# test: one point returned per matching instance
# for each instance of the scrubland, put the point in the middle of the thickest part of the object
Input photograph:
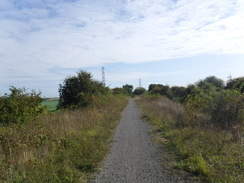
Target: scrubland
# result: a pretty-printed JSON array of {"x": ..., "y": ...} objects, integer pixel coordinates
[
  {"x": 65, "y": 146},
  {"x": 198, "y": 139}
]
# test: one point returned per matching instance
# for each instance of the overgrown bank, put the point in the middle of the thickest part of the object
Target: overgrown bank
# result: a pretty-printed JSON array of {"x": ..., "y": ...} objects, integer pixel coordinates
[
  {"x": 193, "y": 133},
  {"x": 61, "y": 147}
]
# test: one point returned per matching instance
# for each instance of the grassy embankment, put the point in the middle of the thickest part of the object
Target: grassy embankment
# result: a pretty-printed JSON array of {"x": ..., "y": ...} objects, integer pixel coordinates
[
  {"x": 215, "y": 155},
  {"x": 65, "y": 146}
]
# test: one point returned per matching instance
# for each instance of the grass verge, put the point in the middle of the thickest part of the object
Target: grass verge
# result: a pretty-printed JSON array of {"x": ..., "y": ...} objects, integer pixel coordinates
[
  {"x": 213, "y": 154},
  {"x": 59, "y": 147}
]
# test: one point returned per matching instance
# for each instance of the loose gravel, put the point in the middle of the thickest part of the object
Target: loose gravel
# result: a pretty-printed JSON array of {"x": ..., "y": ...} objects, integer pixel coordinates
[{"x": 133, "y": 156}]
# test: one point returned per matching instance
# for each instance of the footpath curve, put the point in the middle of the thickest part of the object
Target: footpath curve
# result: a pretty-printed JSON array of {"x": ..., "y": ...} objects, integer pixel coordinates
[{"x": 133, "y": 157}]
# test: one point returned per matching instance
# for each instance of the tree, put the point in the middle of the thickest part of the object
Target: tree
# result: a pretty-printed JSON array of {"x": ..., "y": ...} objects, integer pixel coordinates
[
  {"x": 210, "y": 83},
  {"x": 236, "y": 84},
  {"x": 77, "y": 91},
  {"x": 139, "y": 91},
  {"x": 128, "y": 88},
  {"x": 160, "y": 89},
  {"x": 178, "y": 92},
  {"x": 20, "y": 106},
  {"x": 119, "y": 91}
]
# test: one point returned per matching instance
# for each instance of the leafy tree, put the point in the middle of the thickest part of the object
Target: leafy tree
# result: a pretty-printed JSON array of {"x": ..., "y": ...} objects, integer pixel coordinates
[
  {"x": 178, "y": 92},
  {"x": 119, "y": 91},
  {"x": 211, "y": 82},
  {"x": 139, "y": 91},
  {"x": 19, "y": 106},
  {"x": 77, "y": 91},
  {"x": 160, "y": 89},
  {"x": 236, "y": 84},
  {"x": 128, "y": 88}
]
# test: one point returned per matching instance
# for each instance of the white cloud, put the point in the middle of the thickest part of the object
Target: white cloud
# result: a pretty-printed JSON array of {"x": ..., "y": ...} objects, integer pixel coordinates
[{"x": 38, "y": 35}]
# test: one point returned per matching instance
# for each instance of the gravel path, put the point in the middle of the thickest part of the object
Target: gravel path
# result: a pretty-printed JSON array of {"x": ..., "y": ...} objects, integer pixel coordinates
[{"x": 133, "y": 156}]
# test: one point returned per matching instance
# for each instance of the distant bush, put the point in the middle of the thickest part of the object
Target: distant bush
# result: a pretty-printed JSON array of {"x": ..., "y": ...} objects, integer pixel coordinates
[
  {"x": 128, "y": 88},
  {"x": 78, "y": 91},
  {"x": 209, "y": 82},
  {"x": 160, "y": 89},
  {"x": 19, "y": 106},
  {"x": 236, "y": 84},
  {"x": 119, "y": 91},
  {"x": 139, "y": 91}
]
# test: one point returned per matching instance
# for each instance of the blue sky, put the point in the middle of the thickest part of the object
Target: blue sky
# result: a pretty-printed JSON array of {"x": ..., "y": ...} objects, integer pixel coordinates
[{"x": 174, "y": 42}]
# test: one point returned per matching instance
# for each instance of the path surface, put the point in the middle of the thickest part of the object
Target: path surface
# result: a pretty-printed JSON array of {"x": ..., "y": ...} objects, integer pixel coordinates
[{"x": 133, "y": 157}]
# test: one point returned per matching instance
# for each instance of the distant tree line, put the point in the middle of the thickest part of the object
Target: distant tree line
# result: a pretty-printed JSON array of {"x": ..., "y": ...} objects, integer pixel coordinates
[
  {"x": 211, "y": 83},
  {"x": 210, "y": 94}
]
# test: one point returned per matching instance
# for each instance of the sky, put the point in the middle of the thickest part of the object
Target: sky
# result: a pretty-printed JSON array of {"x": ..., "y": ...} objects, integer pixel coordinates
[{"x": 173, "y": 42}]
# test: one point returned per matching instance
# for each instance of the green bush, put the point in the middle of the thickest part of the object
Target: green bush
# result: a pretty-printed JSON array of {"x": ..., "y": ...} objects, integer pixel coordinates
[
  {"x": 19, "y": 106},
  {"x": 227, "y": 110},
  {"x": 139, "y": 91},
  {"x": 77, "y": 91},
  {"x": 120, "y": 91}
]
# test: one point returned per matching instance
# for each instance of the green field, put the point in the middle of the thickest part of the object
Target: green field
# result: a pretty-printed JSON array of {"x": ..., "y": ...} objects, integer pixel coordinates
[{"x": 50, "y": 104}]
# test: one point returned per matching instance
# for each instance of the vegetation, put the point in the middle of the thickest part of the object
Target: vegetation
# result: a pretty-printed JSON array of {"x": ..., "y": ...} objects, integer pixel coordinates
[
  {"x": 119, "y": 91},
  {"x": 203, "y": 124},
  {"x": 65, "y": 146},
  {"x": 78, "y": 91},
  {"x": 128, "y": 88},
  {"x": 19, "y": 106},
  {"x": 139, "y": 91},
  {"x": 236, "y": 84},
  {"x": 50, "y": 104},
  {"x": 205, "y": 131}
]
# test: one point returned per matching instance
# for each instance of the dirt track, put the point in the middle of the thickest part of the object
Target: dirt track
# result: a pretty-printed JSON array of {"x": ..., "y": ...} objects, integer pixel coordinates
[{"x": 133, "y": 156}]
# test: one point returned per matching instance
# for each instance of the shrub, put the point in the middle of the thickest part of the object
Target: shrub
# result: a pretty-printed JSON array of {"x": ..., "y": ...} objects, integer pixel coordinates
[
  {"x": 19, "y": 106},
  {"x": 120, "y": 91},
  {"x": 227, "y": 110},
  {"x": 128, "y": 88},
  {"x": 77, "y": 91},
  {"x": 139, "y": 91}
]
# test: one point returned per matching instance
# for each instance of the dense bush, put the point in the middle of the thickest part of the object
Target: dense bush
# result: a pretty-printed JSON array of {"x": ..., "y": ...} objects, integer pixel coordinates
[
  {"x": 211, "y": 81},
  {"x": 78, "y": 91},
  {"x": 139, "y": 91},
  {"x": 119, "y": 91},
  {"x": 223, "y": 109},
  {"x": 19, "y": 106},
  {"x": 160, "y": 89},
  {"x": 236, "y": 84},
  {"x": 128, "y": 88}
]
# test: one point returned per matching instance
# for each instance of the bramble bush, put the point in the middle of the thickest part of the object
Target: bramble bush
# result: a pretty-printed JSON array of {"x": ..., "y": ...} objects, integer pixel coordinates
[{"x": 19, "y": 106}]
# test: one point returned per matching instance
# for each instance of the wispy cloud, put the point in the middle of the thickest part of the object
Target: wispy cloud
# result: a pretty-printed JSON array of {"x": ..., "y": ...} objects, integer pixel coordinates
[{"x": 36, "y": 35}]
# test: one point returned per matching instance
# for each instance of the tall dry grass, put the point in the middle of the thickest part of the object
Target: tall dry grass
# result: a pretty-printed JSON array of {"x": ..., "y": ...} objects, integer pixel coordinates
[
  {"x": 216, "y": 155},
  {"x": 65, "y": 146}
]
